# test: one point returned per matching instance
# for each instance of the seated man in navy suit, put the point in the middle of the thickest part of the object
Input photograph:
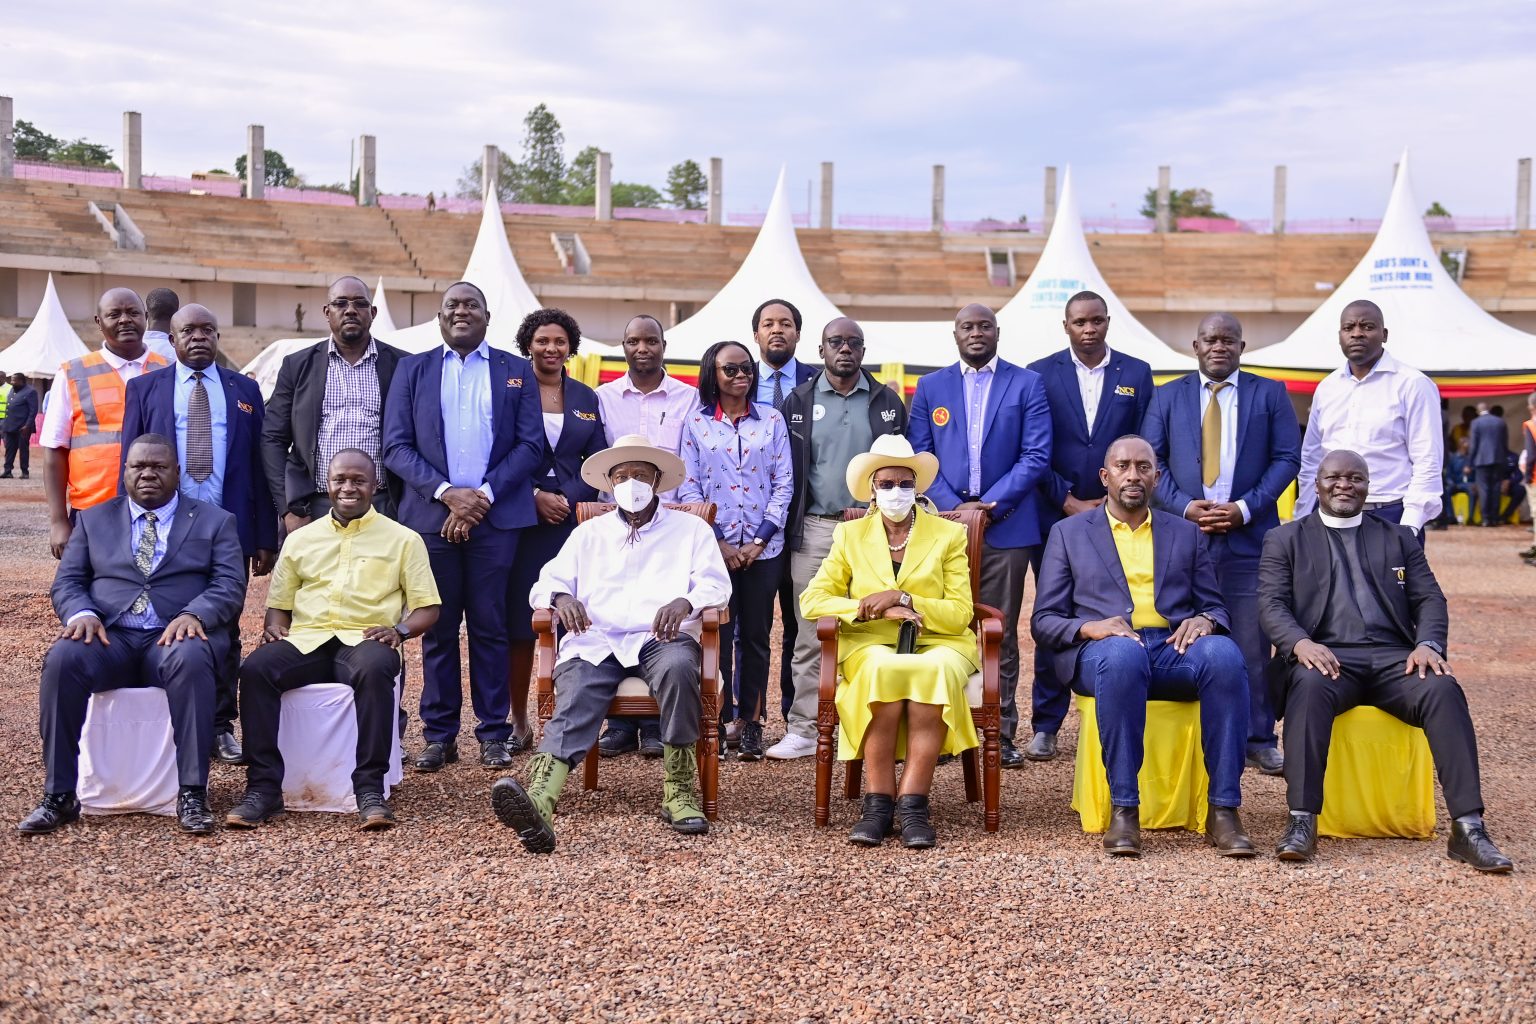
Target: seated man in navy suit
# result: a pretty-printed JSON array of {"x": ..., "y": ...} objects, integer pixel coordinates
[
  {"x": 988, "y": 422},
  {"x": 215, "y": 417},
  {"x": 1227, "y": 446},
  {"x": 1129, "y": 605},
  {"x": 147, "y": 587}
]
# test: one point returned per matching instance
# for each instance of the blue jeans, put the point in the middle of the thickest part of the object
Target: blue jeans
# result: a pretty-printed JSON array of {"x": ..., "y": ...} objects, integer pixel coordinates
[{"x": 1122, "y": 675}]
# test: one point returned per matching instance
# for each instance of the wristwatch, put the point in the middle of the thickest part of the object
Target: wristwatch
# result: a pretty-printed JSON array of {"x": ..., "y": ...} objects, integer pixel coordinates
[
  {"x": 403, "y": 630},
  {"x": 760, "y": 542},
  {"x": 905, "y": 600}
]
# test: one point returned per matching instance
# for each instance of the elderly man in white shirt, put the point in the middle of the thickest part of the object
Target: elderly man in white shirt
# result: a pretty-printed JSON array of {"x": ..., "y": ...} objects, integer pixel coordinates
[
  {"x": 628, "y": 589},
  {"x": 1386, "y": 411}
]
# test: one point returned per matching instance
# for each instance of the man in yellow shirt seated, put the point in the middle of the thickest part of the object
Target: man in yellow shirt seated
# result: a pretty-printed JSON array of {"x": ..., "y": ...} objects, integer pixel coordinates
[
  {"x": 1128, "y": 603},
  {"x": 334, "y": 615}
]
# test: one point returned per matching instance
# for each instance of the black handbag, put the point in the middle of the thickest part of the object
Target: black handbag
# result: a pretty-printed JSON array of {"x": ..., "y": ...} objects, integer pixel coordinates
[{"x": 906, "y": 641}]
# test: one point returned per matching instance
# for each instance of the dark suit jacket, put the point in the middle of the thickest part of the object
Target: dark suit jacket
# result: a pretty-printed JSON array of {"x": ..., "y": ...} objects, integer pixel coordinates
[
  {"x": 150, "y": 408},
  {"x": 581, "y": 436},
  {"x": 1077, "y": 453},
  {"x": 414, "y": 449},
  {"x": 291, "y": 435},
  {"x": 1081, "y": 580},
  {"x": 203, "y": 571},
  {"x": 1268, "y": 451},
  {"x": 1490, "y": 441},
  {"x": 1015, "y": 446}
]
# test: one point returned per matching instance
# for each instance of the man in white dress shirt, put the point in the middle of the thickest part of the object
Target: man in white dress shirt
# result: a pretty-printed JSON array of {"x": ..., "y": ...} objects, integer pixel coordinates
[
  {"x": 1386, "y": 411},
  {"x": 628, "y": 589}
]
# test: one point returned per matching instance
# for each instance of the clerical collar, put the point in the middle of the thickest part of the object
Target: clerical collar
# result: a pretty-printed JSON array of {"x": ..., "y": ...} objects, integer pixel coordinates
[{"x": 1340, "y": 522}]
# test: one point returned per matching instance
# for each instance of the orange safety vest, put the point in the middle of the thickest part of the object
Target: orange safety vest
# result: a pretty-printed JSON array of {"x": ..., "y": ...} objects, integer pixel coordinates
[{"x": 96, "y": 399}]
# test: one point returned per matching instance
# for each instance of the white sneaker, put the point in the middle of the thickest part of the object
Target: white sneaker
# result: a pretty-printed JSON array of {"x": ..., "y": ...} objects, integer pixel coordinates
[{"x": 791, "y": 747}]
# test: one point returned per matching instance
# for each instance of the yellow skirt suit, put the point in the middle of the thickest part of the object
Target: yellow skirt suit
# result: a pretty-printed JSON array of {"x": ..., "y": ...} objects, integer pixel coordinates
[{"x": 935, "y": 571}]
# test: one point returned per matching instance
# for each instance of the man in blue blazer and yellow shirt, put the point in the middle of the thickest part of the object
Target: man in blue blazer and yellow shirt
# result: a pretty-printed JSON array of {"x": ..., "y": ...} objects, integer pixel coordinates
[
  {"x": 988, "y": 422},
  {"x": 215, "y": 417},
  {"x": 1095, "y": 395},
  {"x": 1129, "y": 608},
  {"x": 1228, "y": 445},
  {"x": 463, "y": 430}
]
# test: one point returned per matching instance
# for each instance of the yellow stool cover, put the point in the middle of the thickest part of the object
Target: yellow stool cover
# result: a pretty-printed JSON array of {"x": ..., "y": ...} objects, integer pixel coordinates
[
  {"x": 1380, "y": 781},
  {"x": 1173, "y": 782}
]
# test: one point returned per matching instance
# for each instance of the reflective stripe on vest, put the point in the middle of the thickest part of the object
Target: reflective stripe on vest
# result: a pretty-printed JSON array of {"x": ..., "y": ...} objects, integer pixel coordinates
[{"x": 97, "y": 396}]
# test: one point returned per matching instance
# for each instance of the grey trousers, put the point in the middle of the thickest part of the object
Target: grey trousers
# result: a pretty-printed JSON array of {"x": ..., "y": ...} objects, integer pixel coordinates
[
  {"x": 815, "y": 545},
  {"x": 583, "y": 692},
  {"x": 1002, "y": 586}
]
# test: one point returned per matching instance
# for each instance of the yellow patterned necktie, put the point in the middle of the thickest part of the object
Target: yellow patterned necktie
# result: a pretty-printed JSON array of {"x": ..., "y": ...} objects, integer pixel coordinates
[{"x": 1210, "y": 435}]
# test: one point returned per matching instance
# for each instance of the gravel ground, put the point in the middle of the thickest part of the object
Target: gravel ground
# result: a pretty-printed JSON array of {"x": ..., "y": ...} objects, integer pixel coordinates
[{"x": 766, "y": 918}]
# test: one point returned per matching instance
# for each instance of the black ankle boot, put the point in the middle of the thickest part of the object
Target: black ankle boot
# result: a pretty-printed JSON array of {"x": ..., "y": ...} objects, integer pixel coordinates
[
  {"x": 912, "y": 819},
  {"x": 875, "y": 825}
]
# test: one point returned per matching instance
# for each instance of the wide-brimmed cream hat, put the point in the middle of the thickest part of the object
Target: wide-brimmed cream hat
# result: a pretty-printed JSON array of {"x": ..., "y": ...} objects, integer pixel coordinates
[
  {"x": 633, "y": 448},
  {"x": 890, "y": 450}
]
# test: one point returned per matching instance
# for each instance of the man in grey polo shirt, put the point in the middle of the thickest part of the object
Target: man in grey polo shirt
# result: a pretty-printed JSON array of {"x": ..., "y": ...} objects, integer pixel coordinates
[{"x": 832, "y": 417}]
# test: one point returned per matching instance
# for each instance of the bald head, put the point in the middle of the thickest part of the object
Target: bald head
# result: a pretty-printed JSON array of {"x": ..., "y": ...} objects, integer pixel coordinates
[
  {"x": 1343, "y": 482},
  {"x": 1362, "y": 335},
  {"x": 842, "y": 352},
  {"x": 1363, "y": 307},
  {"x": 976, "y": 334},
  {"x": 120, "y": 316},
  {"x": 1130, "y": 446},
  {"x": 195, "y": 333},
  {"x": 1219, "y": 345},
  {"x": 1128, "y": 476},
  {"x": 349, "y": 313}
]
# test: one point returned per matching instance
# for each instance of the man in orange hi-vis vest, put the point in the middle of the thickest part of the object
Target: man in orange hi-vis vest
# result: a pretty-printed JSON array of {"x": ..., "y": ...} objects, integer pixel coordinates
[{"x": 82, "y": 429}]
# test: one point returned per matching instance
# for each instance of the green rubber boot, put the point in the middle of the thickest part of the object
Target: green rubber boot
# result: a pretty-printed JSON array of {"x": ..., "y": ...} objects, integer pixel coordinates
[
  {"x": 680, "y": 806},
  {"x": 531, "y": 810}
]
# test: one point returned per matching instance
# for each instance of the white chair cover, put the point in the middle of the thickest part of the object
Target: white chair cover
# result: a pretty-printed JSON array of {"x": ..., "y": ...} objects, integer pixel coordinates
[
  {"x": 127, "y": 753},
  {"x": 317, "y": 734}
]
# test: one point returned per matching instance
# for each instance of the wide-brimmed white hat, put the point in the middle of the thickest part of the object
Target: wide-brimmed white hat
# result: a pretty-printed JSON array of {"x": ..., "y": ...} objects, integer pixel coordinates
[
  {"x": 890, "y": 450},
  {"x": 633, "y": 448}
]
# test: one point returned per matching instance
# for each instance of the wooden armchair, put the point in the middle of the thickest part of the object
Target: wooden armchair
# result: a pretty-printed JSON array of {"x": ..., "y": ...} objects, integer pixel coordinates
[
  {"x": 634, "y": 696},
  {"x": 983, "y": 781}
]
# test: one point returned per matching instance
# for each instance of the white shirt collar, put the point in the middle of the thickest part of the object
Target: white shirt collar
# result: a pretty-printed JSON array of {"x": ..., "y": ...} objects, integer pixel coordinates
[
  {"x": 117, "y": 362},
  {"x": 1386, "y": 364},
  {"x": 1340, "y": 522},
  {"x": 668, "y": 385},
  {"x": 1205, "y": 381},
  {"x": 990, "y": 364},
  {"x": 1084, "y": 366}
]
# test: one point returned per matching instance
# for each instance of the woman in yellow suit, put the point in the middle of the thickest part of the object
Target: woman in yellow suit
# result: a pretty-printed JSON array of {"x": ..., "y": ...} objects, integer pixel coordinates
[{"x": 900, "y": 565}]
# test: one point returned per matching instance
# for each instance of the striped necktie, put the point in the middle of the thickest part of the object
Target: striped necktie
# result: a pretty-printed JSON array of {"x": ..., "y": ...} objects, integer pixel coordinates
[{"x": 199, "y": 431}]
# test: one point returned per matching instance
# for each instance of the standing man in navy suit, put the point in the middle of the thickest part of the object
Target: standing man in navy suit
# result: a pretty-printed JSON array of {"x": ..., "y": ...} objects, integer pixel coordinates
[
  {"x": 1096, "y": 395},
  {"x": 464, "y": 431},
  {"x": 990, "y": 425},
  {"x": 1227, "y": 446},
  {"x": 215, "y": 417}
]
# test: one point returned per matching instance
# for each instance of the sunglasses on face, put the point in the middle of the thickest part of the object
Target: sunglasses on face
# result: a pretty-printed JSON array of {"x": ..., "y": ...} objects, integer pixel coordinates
[
  {"x": 834, "y": 343},
  {"x": 734, "y": 370},
  {"x": 891, "y": 485}
]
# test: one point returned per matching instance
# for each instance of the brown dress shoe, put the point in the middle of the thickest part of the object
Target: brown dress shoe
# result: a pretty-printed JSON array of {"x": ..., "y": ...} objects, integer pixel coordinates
[
  {"x": 1123, "y": 838},
  {"x": 1224, "y": 830}
]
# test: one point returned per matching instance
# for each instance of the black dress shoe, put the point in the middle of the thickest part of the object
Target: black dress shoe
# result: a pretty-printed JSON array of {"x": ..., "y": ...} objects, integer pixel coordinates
[
  {"x": 493, "y": 754},
  {"x": 56, "y": 811},
  {"x": 434, "y": 755},
  {"x": 650, "y": 740},
  {"x": 1041, "y": 747},
  {"x": 912, "y": 822},
  {"x": 1010, "y": 756},
  {"x": 1470, "y": 844},
  {"x": 1299, "y": 842},
  {"x": 192, "y": 811},
  {"x": 1123, "y": 837},
  {"x": 253, "y": 809},
  {"x": 373, "y": 814},
  {"x": 227, "y": 749},
  {"x": 1224, "y": 830},
  {"x": 615, "y": 742},
  {"x": 1268, "y": 760},
  {"x": 751, "y": 748},
  {"x": 875, "y": 823},
  {"x": 519, "y": 742}
]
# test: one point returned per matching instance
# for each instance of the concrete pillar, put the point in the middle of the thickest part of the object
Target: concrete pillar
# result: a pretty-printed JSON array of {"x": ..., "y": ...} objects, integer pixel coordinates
[
  {"x": 826, "y": 194},
  {"x": 133, "y": 149},
  {"x": 1277, "y": 218},
  {"x": 1050, "y": 197},
  {"x": 490, "y": 171},
  {"x": 1523, "y": 194},
  {"x": 7, "y": 138},
  {"x": 604, "y": 186},
  {"x": 716, "y": 190},
  {"x": 938, "y": 197},
  {"x": 367, "y": 170},
  {"x": 255, "y": 161},
  {"x": 1164, "y": 198}
]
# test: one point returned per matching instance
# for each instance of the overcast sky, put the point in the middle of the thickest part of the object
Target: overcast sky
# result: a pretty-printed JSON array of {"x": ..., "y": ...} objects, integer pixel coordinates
[{"x": 1221, "y": 91}]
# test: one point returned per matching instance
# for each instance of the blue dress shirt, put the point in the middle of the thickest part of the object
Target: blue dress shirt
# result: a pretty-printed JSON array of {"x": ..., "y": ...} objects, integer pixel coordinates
[
  {"x": 978, "y": 387},
  {"x": 165, "y": 516},
  {"x": 765, "y": 372},
  {"x": 210, "y": 490},
  {"x": 467, "y": 429}
]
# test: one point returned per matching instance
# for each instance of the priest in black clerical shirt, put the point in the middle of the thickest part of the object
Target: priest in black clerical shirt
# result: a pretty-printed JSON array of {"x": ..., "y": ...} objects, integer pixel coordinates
[{"x": 1356, "y": 617}]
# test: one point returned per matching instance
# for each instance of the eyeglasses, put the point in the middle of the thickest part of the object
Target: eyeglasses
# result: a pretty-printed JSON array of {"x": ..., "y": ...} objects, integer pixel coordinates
[
  {"x": 891, "y": 485},
  {"x": 851, "y": 343},
  {"x": 734, "y": 370},
  {"x": 341, "y": 304}
]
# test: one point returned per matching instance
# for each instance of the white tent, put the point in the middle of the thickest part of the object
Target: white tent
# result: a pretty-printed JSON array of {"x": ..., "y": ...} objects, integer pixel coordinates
[
  {"x": 774, "y": 268},
  {"x": 493, "y": 269},
  {"x": 1431, "y": 323},
  {"x": 383, "y": 322},
  {"x": 48, "y": 342},
  {"x": 1030, "y": 322}
]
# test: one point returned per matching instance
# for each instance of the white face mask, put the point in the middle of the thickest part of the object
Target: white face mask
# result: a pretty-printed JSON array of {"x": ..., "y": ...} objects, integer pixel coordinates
[
  {"x": 632, "y": 495},
  {"x": 896, "y": 503}
]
